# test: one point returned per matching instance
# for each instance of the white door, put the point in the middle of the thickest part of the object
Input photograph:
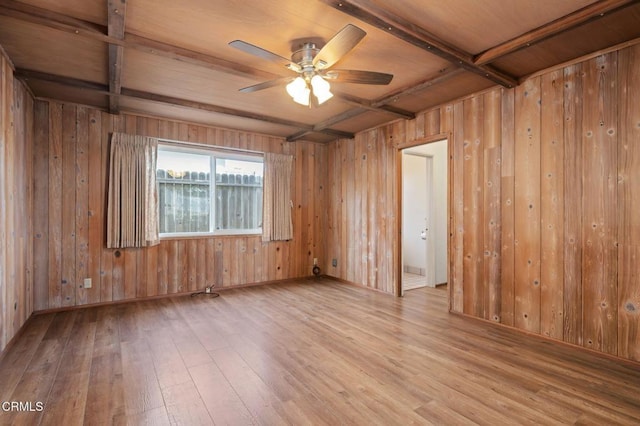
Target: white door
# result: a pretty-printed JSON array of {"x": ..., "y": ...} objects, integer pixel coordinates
[
  {"x": 417, "y": 216},
  {"x": 429, "y": 224}
]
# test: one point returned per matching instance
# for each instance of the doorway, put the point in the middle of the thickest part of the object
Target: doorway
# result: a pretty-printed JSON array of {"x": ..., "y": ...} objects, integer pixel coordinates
[{"x": 424, "y": 216}]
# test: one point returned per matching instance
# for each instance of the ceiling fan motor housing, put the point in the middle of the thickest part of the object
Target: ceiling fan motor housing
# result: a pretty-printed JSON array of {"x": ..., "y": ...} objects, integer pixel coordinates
[{"x": 304, "y": 56}]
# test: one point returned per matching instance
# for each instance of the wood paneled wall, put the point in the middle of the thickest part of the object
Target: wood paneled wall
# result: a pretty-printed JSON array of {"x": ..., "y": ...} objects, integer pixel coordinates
[
  {"x": 544, "y": 178},
  {"x": 70, "y": 162},
  {"x": 16, "y": 204},
  {"x": 363, "y": 219}
]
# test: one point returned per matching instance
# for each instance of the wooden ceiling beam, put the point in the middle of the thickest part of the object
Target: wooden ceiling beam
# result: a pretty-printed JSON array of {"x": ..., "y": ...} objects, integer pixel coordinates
[
  {"x": 25, "y": 74},
  {"x": 366, "y": 104},
  {"x": 443, "y": 75},
  {"x": 582, "y": 16},
  {"x": 116, "y": 16},
  {"x": 372, "y": 14},
  {"x": 103, "y": 89},
  {"x": 58, "y": 21},
  {"x": 324, "y": 125},
  {"x": 228, "y": 111}
]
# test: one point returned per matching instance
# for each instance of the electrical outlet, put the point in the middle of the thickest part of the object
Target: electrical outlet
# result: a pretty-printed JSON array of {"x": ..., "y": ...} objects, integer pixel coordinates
[
  {"x": 334, "y": 262},
  {"x": 315, "y": 261},
  {"x": 87, "y": 283}
]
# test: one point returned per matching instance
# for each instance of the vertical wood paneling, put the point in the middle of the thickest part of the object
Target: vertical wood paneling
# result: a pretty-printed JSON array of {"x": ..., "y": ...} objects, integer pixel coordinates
[
  {"x": 82, "y": 206},
  {"x": 473, "y": 214},
  {"x": 366, "y": 205},
  {"x": 296, "y": 213},
  {"x": 11, "y": 219},
  {"x": 41, "y": 203},
  {"x": 573, "y": 192},
  {"x": 106, "y": 262},
  {"x": 171, "y": 250},
  {"x": 334, "y": 237},
  {"x": 562, "y": 221},
  {"x": 68, "y": 197},
  {"x": 77, "y": 140},
  {"x": 182, "y": 265},
  {"x": 320, "y": 208},
  {"x": 507, "y": 208},
  {"x": 191, "y": 260},
  {"x": 432, "y": 122},
  {"x": 27, "y": 208},
  {"x": 210, "y": 265},
  {"x": 629, "y": 205},
  {"x": 349, "y": 198},
  {"x": 600, "y": 175},
  {"x": 456, "y": 293},
  {"x": 95, "y": 208},
  {"x": 373, "y": 171},
  {"x": 491, "y": 207},
  {"x": 552, "y": 206},
  {"x": 446, "y": 124},
  {"x": 17, "y": 224},
  {"x": 5, "y": 108},
  {"x": 391, "y": 249},
  {"x": 304, "y": 258},
  {"x": 527, "y": 206},
  {"x": 305, "y": 157},
  {"x": 54, "y": 282}
]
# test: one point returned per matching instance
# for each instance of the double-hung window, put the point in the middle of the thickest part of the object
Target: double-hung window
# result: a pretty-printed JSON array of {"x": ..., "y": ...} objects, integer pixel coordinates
[{"x": 208, "y": 192}]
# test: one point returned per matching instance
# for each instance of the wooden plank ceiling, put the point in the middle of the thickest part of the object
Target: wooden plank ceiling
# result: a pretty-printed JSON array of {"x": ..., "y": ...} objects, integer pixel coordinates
[{"x": 172, "y": 59}]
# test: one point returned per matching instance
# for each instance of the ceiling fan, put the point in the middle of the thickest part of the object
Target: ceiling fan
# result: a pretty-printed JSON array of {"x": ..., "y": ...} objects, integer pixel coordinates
[{"x": 312, "y": 64}]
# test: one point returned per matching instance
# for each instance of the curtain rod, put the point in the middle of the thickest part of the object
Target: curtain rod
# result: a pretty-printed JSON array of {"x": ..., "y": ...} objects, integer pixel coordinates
[{"x": 217, "y": 147}]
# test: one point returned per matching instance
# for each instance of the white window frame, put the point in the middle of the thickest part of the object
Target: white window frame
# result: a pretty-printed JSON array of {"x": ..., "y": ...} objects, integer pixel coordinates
[{"x": 167, "y": 146}]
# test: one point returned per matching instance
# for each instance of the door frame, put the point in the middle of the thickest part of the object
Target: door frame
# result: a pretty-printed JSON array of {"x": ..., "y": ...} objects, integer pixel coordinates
[{"x": 448, "y": 136}]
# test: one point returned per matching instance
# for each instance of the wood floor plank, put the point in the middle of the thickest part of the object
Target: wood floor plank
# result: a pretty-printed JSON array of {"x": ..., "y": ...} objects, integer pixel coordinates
[
  {"x": 155, "y": 417},
  {"x": 141, "y": 387},
  {"x": 253, "y": 392},
  {"x": 14, "y": 364},
  {"x": 222, "y": 402},
  {"x": 185, "y": 406},
  {"x": 66, "y": 404},
  {"x": 310, "y": 352}
]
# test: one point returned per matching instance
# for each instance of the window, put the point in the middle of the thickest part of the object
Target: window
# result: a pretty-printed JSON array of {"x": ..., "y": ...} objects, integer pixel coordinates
[{"x": 194, "y": 201}]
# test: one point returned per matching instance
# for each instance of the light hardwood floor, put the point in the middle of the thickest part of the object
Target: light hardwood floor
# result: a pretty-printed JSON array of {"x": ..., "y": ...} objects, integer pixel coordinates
[{"x": 313, "y": 352}]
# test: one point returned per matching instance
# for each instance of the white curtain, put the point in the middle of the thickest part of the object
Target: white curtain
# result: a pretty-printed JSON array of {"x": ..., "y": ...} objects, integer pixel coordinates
[
  {"x": 132, "y": 212},
  {"x": 276, "y": 211}
]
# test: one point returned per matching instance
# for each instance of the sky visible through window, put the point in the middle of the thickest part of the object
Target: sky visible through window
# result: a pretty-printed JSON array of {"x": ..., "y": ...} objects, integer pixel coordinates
[{"x": 184, "y": 161}]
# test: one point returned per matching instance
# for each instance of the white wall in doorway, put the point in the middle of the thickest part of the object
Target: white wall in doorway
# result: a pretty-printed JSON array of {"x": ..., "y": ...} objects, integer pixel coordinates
[
  {"x": 438, "y": 150},
  {"x": 414, "y": 213}
]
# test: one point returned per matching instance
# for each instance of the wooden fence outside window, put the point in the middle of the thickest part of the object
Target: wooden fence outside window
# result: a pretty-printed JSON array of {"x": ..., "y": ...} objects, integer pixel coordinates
[{"x": 185, "y": 201}]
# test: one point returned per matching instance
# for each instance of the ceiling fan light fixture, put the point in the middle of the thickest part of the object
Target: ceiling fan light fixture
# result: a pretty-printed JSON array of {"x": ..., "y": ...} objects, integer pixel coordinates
[
  {"x": 299, "y": 91},
  {"x": 321, "y": 89}
]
